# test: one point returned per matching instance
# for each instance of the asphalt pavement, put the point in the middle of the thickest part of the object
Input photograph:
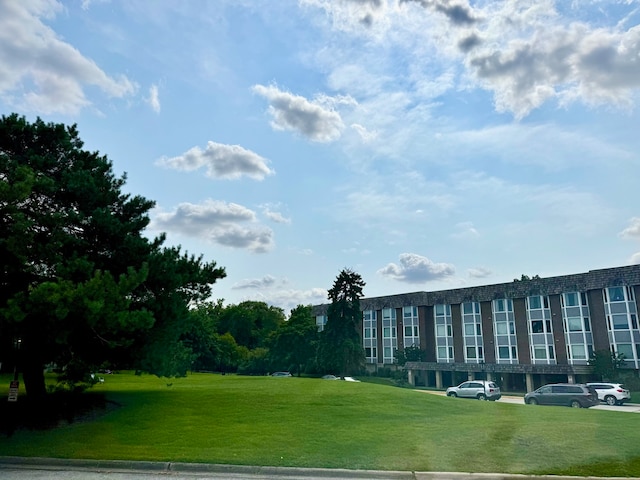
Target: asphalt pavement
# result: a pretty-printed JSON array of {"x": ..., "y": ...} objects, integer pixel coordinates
[{"x": 627, "y": 407}]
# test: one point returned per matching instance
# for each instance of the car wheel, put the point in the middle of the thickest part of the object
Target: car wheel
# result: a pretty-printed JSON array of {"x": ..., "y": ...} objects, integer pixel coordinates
[
  {"x": 610, "y": 399},
  {"x": 452, "y": 394},
  {"x": 482, "y": 396},
  {"x": 532, "y": 401},
  {"x": 575, "y": 404}
]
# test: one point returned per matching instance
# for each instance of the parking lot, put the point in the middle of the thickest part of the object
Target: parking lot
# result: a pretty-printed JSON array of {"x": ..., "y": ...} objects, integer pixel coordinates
[{"x": 628, "y": 407}]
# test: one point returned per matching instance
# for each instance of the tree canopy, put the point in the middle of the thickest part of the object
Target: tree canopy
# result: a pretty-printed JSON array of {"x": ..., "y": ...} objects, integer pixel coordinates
[
  {"x": 79, "y": 282},
  {"x": 340, "y": 345}
]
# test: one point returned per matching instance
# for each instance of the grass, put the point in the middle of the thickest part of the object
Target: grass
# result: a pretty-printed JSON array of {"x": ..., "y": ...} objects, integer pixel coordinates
[{"x": 308, "y": 422}]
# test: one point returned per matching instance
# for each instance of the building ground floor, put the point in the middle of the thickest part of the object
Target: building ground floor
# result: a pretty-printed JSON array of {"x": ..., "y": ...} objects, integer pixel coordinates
[{"x": 511, "y": 378}]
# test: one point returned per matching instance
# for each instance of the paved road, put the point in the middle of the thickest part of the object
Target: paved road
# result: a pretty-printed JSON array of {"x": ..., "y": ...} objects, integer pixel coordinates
[
  {"x": 15, "y": 468},
  {"x": 628, "y": 407}
]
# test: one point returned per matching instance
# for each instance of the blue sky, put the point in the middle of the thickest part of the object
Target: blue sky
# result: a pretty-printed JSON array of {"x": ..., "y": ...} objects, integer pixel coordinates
[{"x": 425, "y": 144}]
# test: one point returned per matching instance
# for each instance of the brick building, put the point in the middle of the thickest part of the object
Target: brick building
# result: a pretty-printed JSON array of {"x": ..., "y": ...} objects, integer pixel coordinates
[{"x": 522, "y": 334}]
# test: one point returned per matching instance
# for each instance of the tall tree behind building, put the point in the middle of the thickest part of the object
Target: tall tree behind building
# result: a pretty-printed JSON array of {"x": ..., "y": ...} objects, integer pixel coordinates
[{"x": 340, "y": 345}]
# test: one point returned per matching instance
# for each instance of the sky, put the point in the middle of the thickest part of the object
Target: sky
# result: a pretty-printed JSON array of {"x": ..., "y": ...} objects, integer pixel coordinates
[{"x": 424, "y": 144}]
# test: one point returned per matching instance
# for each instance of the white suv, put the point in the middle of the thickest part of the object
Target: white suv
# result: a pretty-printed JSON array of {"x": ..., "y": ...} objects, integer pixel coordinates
[{"x": 611, "y": 393}]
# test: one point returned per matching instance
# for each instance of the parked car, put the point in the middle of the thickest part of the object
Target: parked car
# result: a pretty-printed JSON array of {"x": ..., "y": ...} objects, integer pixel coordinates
[
  {"x": 480, "y": 389},
  {"x": 611, "y": 393},
  {"x": 574, "y": 395},
  {"x": 281, "y": 374},
  {"x": 330, "y": 377}
]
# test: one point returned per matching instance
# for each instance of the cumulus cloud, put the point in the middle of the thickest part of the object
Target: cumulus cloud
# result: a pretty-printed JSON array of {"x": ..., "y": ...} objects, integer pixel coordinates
[
  {"x": 415, "y": 268},
  {"x": 221, "y": 161},
  {"x": 364, "y": 12},
  {"x": 276, "y": 216},
  {"x": 219, "y": 222},
  {"x": 154, "y": 99},
  {"x": 635, "y": 258},
  {"x": 312, "y": 119},
  {"x": 39, "y": 72},
  {"x": 255, "y": 283},
  {"x": 534, "y": 55},
  {"x": 479, "y": 272},
  {"x": 633, "y": 230},
  {"x": 458, "y": 13}
]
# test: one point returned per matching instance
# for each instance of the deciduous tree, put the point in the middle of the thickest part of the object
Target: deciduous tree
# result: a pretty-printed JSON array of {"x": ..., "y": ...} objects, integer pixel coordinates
[{"x": 295, "y": 342}]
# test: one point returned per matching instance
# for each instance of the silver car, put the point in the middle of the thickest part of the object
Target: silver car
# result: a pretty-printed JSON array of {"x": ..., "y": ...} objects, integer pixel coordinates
[{"x": 480, "y": 389}]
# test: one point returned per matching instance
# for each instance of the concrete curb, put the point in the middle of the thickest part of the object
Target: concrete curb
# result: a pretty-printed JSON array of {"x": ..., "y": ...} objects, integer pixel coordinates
[{"x": 42, "y": 463}]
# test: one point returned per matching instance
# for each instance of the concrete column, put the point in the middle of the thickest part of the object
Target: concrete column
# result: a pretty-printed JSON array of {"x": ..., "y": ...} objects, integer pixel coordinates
[
  {"x": 470, "y": 376},
  {"x": 529, "y": 380},
  {"x": 438, "y": 379},
  {"x": 489, "y": 376},
  {"x": 410, "y": 378},
  {"x": 571, "y": 378}
]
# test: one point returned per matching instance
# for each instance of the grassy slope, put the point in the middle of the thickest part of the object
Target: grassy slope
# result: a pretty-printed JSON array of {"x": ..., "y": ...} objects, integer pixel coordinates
[{"x": 315, "y": 423}]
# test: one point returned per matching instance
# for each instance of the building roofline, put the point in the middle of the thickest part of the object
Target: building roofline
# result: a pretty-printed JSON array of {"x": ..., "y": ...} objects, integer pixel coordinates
[{"x": 578, "y": 282}]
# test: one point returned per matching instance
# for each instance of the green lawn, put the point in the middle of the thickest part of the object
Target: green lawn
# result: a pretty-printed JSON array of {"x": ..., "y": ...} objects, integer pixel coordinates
[{"x": 308, "y": 422}]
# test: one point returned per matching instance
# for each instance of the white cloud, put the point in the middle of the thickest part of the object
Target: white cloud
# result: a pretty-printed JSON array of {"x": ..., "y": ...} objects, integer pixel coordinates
[
  {"x": 528, "y": 55},
  {"x": 635, "y": 258},
  {"x": 276, "y": 216},
  {"x": 219, "y": 222},
  {"x": 415, "y": 268},
  {"x": 288, "y": 299},
  {"x": 221, "y": 161},
  {"x": 633, "y": 230},
  {"x": 39, "y": 72},
  {"x": 154, "y": 98},
  {"x": 255, "y": 283},
  {"x": 295, "y": 113},
  {"x": 479, "y": 272},
  {"x": 465, "y": 230},
  {"x": 523, "y": 51}
]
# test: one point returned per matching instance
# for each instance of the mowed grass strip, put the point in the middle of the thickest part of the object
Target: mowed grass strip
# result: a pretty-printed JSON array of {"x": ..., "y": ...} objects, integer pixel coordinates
[{"x": 308, "y": 422}]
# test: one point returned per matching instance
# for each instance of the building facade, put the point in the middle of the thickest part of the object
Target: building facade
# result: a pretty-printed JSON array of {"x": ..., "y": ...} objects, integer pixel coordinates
[{"x": 522, "y": 334}]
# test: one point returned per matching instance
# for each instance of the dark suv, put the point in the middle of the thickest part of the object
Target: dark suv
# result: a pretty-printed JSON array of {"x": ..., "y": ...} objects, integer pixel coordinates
[{"x": 567, "y": 394}]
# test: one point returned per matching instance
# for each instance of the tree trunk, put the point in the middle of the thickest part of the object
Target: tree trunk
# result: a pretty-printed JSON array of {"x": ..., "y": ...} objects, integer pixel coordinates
[{"x": 33, "y": 376}]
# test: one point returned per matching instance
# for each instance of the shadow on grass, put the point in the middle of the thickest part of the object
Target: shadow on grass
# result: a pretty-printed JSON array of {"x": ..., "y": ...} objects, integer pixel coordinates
[{"x": 56, "y": 409}]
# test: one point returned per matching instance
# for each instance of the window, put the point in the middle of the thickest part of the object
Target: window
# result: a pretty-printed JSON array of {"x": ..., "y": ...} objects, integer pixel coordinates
[
  {"x": 444, "y": 332},
  {"x": 504, "y": 328},
  {"x": 577, "y": 352},
  {"x": 537, "y": 326},
  {"x": 389, "y": 335},
  {"x": 570, "y": 299},
  {"x": 370, "y": 340},
  {"x": 540, "y": 353},
  {"x": 625, "y": 349},
  {"x": 575, "y": 324},
  {"x": 321, "y": 321},
  {"x": 622, "y": 321},
  {"x": 472, "y": 329},
  {"x": 616, "y": 294},
  {"x": 411, "y": 330}
]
